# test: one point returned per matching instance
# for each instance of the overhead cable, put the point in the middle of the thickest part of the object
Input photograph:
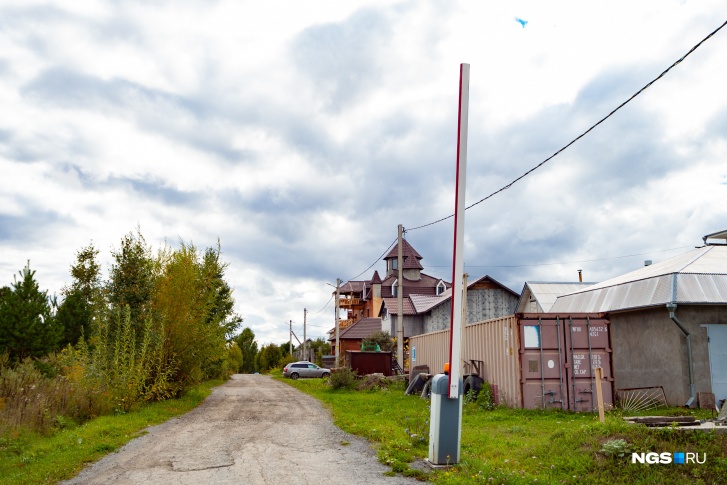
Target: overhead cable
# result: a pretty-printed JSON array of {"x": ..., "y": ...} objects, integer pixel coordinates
[
  {"x": 566, "y": 262},
  {"x": 582, "y": 134},
  {"x": 326, "y": 305},
  {"x": 377, "y": 260}
]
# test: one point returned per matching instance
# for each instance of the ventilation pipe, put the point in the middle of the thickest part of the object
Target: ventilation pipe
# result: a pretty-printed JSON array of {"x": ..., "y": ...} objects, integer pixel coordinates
[
  {"x": 672, "y": 307},
  {"x": 580, "y": 276}
]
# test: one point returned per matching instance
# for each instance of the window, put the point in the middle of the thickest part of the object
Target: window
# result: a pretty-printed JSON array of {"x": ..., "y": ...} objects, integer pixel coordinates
[
  {"x": 394, "y": 263},
  {"x": 532, "y": 336},
  {"x": 394, "y": 287},
  {"x": 441, "y": 287}
]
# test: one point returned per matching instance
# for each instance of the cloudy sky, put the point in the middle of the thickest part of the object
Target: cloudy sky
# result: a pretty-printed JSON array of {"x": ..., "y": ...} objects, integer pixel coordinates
[{"x": 302, "y": 133}]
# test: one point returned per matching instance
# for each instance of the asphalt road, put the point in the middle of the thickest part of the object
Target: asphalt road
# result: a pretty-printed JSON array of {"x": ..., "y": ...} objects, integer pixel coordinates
[{"x": 251, "y": 430}]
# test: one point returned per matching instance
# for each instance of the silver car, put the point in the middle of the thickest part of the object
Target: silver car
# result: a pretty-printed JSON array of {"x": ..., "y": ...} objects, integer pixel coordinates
[{"x": 305, "y": 369}]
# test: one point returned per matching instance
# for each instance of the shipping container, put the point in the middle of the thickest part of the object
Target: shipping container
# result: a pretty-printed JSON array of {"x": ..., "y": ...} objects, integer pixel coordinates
[
  {"x": 537, "y": 361},
  {"x": 557, "y": 358}
]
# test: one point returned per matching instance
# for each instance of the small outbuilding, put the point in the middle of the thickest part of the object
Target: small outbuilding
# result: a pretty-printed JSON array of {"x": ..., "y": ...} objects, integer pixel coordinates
[{"x": 668, "y": 323}]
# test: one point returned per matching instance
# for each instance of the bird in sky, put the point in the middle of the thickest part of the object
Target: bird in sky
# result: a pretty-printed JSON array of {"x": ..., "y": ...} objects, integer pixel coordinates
[{"x": 521, "y": 21}]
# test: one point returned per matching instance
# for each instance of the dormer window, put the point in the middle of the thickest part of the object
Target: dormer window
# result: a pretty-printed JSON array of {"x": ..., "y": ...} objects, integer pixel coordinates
[{"x": 441, "y": 287}]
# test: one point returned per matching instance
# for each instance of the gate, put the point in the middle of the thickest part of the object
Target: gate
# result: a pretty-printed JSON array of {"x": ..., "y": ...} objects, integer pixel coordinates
[{"x": 557, "y": 358}]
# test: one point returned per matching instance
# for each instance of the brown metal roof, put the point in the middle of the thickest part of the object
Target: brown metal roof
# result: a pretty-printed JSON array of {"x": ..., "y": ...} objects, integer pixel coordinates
[
  {"x": 409, "y": 254},
  {"x": 361, "y": 329},
  {"x": 425, "y": 285},
  {"x": 392, "y": 306},
  {"x": 424, "y": 302},
  {"x": 352, "y": 286},
  {"x": 376, "y": 278},
  {"x": 406, "y": 250}
]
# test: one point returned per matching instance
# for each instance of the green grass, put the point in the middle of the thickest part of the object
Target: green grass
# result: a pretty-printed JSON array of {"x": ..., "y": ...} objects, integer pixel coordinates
[
  {"x": 514, "y": 446},
  {"x": 30, "y": 458}
]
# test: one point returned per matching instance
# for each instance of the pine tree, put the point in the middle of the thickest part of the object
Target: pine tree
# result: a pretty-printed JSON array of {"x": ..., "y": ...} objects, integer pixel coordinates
[
  {"x": 132, "y": 278},
  {"x": 74, "y": 318},
  {"x": 27, "y": 327},
  {"x": 83, "y": 298}
]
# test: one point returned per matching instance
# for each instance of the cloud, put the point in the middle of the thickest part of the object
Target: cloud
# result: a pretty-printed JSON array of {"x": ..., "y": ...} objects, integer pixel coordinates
[
  {"x": 182, "y": 119},
  {"x": 32, "y": 225},
  {"x": 340, "y": 59},
  {"x": 302, "y": 140}
]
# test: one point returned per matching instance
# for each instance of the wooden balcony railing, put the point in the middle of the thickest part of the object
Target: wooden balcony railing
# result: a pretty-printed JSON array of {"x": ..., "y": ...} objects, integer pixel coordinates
[
  {"x": 345, "y": 323},
  {"x": 349, "y": 302}
]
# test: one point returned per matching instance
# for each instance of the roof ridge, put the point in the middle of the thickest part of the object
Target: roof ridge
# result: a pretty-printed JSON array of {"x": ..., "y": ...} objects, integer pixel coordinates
[{"x": 695, "y": 258}]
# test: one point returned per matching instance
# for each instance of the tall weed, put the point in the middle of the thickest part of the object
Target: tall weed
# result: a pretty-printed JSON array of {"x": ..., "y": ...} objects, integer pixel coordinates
[{"x": 29, "y": 399}]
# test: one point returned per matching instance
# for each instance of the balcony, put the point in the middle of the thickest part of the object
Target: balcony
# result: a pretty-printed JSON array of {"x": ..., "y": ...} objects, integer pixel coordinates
[
  {"x": 345, "y": 323},
  {"x": 349, "y": 302}
]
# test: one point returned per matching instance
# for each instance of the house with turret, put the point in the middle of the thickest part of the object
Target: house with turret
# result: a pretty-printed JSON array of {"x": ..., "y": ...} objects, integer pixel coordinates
[
  {"x": 364, "y": 299},
  {"x": 426, "y": 300}
]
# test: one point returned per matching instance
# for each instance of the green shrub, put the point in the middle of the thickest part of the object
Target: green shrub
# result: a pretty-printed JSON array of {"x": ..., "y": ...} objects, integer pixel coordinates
[
  {"x": 485, "y": 399},
  {"x": 617, "y": 448},
  {"x": 288, "y": 359},
  {"x": 343, "y": 377}
]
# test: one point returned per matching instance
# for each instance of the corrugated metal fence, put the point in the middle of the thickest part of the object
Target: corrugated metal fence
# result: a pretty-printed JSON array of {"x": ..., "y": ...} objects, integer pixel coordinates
[{"x": 495, "y": 342}]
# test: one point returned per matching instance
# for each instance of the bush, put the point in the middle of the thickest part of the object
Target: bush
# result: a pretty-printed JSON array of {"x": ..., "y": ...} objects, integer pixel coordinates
[
  {"x": 484, "y": 399},
  {"x": 31, "y": 400},
  {"x": 382, "y": 339},
  {"x": 343, "y": 377},
  {"x": 288, "y": 359}
]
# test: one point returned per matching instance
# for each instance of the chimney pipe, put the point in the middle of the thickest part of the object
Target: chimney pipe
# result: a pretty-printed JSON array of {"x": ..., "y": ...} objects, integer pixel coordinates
[{"x": 580, "y": 275}]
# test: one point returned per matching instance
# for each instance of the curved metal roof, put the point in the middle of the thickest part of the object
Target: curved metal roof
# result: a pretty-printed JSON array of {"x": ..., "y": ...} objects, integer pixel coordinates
[{"x": 697, "y": 277}]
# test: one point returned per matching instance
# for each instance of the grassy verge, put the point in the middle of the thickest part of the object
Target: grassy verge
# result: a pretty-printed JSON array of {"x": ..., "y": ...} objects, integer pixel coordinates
[
  {"x": 522, "y": 446},
  {"x": 29, "y": 458}
]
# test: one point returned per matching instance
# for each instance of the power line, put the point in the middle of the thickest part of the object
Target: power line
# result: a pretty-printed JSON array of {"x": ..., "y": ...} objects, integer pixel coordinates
[
  {"x": 567, "y": 262},
  {"x": 377, "y": 260},
  {"x": 326, "y": 305},
  {"x": 582, "y": 134}
]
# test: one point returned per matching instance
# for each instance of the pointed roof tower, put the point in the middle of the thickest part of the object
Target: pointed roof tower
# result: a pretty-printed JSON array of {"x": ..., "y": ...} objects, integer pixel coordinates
[
  {"x": 376, "y": 280},
  {"x": 411, "y": 260}
]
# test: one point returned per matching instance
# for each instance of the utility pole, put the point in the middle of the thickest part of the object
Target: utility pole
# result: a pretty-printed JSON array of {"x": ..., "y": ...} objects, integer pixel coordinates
[
  {"x": 305, "y": 342},
  {"x": 338, "y": 321},
  {"x": 400, "y": 302},
  {"x": 291, "y": 337}
]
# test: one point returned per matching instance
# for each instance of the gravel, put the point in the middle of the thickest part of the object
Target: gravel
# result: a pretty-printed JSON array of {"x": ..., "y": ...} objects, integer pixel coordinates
[{"x": 251, "y": 430}]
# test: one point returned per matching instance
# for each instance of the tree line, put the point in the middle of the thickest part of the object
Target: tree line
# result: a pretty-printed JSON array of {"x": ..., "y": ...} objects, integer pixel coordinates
[
  {"x": 161, "y": 322},
  {"x": 272, "y": 355}
]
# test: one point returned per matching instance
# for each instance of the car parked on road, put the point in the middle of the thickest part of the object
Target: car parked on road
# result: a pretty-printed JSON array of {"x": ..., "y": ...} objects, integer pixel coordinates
[{"x": 305, "y": 369}]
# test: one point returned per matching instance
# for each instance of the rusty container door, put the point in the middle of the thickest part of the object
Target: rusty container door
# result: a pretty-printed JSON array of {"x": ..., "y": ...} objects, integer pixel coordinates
[
  {"x": 588, "y": 344},
  {"x": 542, "y": 356}
]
